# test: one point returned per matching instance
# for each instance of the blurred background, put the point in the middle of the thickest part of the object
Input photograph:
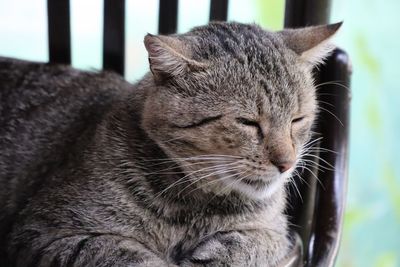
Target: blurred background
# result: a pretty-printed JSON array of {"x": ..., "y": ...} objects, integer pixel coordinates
[{"x": 370, "y": 34}]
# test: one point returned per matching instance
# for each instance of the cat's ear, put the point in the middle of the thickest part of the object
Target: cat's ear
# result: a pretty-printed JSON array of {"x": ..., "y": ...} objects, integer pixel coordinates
[
  {"x": 311, "y": 43},
  {"x": 169, "y": 56}
]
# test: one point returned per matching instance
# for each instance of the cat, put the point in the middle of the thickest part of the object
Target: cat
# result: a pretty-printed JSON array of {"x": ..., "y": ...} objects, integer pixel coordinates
[{"x": 187, "y": 167}]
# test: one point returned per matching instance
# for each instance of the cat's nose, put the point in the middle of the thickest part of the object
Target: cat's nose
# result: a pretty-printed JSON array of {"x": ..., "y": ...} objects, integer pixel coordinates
[{"x": 283, "y": 165}]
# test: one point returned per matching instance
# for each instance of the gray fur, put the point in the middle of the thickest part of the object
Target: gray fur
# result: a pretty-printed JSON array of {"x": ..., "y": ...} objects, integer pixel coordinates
[{"x": 95, "y": 171}]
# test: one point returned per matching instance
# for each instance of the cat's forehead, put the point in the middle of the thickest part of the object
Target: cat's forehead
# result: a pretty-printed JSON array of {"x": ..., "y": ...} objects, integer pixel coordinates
[
  {"x": 247, "y": 51},
  {"x": 242, "y": 42},
  {"x": 251, "y": 64}
]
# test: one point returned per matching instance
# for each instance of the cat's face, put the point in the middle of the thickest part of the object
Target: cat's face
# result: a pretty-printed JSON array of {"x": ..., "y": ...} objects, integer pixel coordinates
[{"x": 238, "y": 114}]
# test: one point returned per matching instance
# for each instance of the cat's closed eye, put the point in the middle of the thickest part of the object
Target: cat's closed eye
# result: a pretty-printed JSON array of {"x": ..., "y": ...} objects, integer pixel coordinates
[
  {"x": 248, "y": 122},
  {"x": 298, "y": 119},
  {"x": 199, "y": 123},
  {"x": 251, "y": 123}
]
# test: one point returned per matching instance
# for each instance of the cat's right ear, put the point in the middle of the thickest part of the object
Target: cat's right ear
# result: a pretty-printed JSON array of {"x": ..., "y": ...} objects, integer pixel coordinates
[{"x": 169, "y": 56}]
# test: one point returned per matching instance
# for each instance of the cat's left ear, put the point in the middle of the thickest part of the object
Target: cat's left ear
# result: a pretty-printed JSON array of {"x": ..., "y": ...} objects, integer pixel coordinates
[
  {"x": 311, "y": 43},
  {"x": 169, "y": 56}
]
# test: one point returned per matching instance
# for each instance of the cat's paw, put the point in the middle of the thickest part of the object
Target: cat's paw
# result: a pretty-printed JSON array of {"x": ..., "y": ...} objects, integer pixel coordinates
[{"x": 223, "y": 249}]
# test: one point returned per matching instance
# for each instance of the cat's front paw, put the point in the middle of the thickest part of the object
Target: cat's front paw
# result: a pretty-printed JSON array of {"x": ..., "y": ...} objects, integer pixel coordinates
[{"x": 223, "y": 249}]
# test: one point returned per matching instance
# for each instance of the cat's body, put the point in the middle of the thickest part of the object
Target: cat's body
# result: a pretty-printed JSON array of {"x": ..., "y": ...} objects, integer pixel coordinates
[
  {"x": 95, "y": 171},
  {"x": 48, "y": 115},
  {"x": 54, "y": 171}
]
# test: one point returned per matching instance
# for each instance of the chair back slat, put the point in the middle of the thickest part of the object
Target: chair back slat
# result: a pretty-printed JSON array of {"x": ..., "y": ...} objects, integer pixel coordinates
[
  {"x": 300, "y": 13},
  {"x": 168, "y": 16},
  {"x": 333, "y": 125},
  {"x": 114, "y": 36},
  {"x": 59, "y": 31},
  {"x": 327, "y": 210},
  {"x": 219, "y": 10}
]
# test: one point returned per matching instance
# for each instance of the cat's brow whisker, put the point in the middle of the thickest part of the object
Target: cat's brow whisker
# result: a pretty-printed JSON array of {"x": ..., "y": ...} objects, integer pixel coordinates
[
  {"x": 312, "y": 141},
  {"x": 332, "y": 115},
  {"x": 338, "y": 83},
  {"x": 326, "y": 103},
  {"x": 327, "y": 94},
  {"x": 314, "y": 133}
]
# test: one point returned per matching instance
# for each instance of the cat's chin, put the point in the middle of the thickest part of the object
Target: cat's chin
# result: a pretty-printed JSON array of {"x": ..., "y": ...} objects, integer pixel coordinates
[{"x": 258, "y": 188}]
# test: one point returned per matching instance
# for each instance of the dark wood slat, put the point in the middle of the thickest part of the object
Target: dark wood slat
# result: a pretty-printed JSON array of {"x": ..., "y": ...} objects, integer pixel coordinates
[
  {"x": 59, "y": 31},
  {"x": 331, "y": 193},
  {"x": 219, "y": 10},
  {"x": 300, "y": 13},
  {"x": 168, "y": 16},
  {"x": 301, "y": 202},
  {"x": 114, "y": 36}
]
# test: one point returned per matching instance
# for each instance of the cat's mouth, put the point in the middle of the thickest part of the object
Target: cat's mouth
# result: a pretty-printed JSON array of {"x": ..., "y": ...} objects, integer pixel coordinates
[{"x": 255, "y": 181}]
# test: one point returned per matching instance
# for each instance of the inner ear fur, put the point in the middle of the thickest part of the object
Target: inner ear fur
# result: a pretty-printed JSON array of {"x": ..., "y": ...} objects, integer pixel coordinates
[
  {"x": 312, "y": 44},
  {"x": 169, "y": 56}
]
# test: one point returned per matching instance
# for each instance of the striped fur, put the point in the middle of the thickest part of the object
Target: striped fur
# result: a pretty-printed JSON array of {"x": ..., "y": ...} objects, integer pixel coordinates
[{"x": 185, "y": 168}]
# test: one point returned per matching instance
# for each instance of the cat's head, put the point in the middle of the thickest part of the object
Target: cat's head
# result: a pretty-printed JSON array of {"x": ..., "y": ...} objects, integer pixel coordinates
[{"x": 233, "y": 104}]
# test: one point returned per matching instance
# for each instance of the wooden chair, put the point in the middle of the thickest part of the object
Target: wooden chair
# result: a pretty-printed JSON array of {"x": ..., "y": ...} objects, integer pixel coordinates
[{"x": 318, "y": 216}]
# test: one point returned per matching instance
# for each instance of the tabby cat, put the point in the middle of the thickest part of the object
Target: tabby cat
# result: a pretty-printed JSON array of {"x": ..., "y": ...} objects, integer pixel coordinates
[{"x": 185, "y": 168}]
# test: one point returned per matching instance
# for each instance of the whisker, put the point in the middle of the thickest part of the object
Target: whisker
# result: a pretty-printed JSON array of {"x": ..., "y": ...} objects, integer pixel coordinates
[
  {"x": 176, "y": 162},
  {"x": 318, "y": 86},
  {"x": 211, "y": 156},
  {"x": 315, "y": 176},
  {"x": 297, "y": 174},
  {"x": 314, "y": 164},
  {"x": 312, "y": 141},
  {"x": 293, "y": 182},
  {"x": 231, "y": 185},
  {"x": 326, "y": 94},
  {"x": 332, "y": 115},
  {"x": 182, "y": 179},
  {"x": 218, "y": 180},
  {"x": 208, "y": 175},
  {"x": 321, "y": 159},
  {"x": 182, "y": 165},
  {"x": 228, "y": 185},
  {"x": 326, "y": 103},
  {"x": 321, "y": 149}
]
